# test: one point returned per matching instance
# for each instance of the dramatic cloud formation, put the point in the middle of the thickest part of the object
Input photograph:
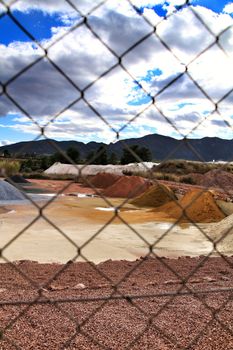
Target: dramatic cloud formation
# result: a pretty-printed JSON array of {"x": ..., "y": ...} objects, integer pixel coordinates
[{"x": 98, "y": 94}]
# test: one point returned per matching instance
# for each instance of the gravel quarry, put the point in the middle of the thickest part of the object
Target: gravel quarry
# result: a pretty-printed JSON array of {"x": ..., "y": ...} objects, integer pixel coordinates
[
  {"x": 116, "y": 284},
  {"x": 81, "y": 215}
]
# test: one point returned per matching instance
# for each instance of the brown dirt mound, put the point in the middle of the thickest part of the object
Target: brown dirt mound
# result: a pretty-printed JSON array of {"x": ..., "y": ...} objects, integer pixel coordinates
[
  {"x": 199, "y": 206},
  {"x": 218, "y": 178},
  {"x": 104, "y": 180},
  {"x": 196, "y": 177},
  {"x": 127, "y": 187},
  {"x": 155, "y": 196}
]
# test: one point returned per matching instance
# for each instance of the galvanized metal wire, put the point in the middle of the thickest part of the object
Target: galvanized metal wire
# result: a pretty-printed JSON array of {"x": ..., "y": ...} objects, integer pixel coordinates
[{"x": 184, "y": 287}]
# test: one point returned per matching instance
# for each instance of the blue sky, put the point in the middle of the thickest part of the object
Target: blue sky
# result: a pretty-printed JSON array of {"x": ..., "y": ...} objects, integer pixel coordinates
[
  {"x": 215, "y": 5},
  {"x": 115, "y": 96},
  {"x": 38, "y": 23}
]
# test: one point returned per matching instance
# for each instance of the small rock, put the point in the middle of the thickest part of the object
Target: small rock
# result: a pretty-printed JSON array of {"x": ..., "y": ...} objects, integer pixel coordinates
[
  {"x": 80, "y": 286},
  {"x": 172, "y": 282},
  {"x": 209, "y": 279}
]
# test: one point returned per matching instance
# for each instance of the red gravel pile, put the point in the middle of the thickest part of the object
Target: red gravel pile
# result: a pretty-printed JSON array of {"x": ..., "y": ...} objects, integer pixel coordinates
[
  {"x": 128, "y": 187},
  {"x": 143, "y": 313},
  {"x": 104, "y": 180},
  {"x": 218, "y": 178}
]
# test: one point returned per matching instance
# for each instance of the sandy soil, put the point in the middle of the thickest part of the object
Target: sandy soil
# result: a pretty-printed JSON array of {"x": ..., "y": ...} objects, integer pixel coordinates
[
  {"x": 70, "y": 223},
  {"x": 118, "y": 305}
]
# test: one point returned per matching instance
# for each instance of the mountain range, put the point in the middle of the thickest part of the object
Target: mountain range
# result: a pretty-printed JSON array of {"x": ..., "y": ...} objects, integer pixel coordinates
[{"x": 161, "y": 147}]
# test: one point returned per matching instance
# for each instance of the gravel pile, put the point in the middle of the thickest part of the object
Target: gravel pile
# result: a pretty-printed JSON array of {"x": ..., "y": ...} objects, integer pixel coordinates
[
  {"x": 195, "y": 206},
  {"x": 104, "y": 180},
  {"x": 9, "y": 192},
  {"x": 88, "y": 170},
  {"x": 222, "y": 232},
  {"x": 214, "y": 178},
  {"x": 150, "y": 317},
  {"x": 127, "y": 187},
  {"x": 218, "y": 178},
  {"x": 155, "y": 196}
]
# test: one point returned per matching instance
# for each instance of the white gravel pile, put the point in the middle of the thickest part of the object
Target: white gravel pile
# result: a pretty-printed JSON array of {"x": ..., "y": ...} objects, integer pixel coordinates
[
  {"x": 221, "y": 229},
  {"x": 9, "y": 192},
  {"x": 68, "y": 169}
]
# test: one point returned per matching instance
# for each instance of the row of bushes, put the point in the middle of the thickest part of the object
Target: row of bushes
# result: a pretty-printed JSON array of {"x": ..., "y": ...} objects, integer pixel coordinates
[
  {"x": 185, "y": 167},
  {"x": 162, "y": 176}
]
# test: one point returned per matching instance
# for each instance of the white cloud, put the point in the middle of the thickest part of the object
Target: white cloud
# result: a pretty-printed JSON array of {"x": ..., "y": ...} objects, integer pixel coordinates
[
  {"x": 151, "y": 3},
  {"x": 217, "y": 23},
  {"x": 50, "y": 6},
  {"x": 228, "y": 8},
  {"x": 42, "y": 91}
]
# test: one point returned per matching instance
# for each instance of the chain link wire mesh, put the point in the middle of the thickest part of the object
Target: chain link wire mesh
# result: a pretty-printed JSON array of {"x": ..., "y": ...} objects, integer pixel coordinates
[{"x": 181, "y": 287}]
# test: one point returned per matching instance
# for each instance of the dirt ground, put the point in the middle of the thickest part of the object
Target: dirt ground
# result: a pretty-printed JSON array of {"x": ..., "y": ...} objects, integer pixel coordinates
[
  {"x": 69, "y": 223},
  {"x": 69, "y": 187},
  {"x": 116, "y": 295},
  {"x": 62, "y": 186},
  {"x": 103, "y": 228},
  {"x": 118, "y": 305}
]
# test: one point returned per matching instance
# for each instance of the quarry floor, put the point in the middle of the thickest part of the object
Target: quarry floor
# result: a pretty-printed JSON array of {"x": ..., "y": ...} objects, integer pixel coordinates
[
  {"x": 68, "y": 223},
  {"x": 120, "y": 301}
]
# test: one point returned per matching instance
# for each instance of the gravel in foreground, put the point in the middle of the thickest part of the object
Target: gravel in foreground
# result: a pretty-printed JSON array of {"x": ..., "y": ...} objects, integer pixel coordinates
[{"x": 78, "y": 306}]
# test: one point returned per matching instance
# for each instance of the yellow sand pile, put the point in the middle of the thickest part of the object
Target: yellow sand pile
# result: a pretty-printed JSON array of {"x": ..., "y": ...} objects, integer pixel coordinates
[
  {"x": 155, "y": 196},
  {"x": 195, "y": 206}
]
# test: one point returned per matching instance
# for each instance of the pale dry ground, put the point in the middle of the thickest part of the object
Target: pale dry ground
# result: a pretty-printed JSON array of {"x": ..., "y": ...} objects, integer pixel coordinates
[{"x": 79, "y": 220}]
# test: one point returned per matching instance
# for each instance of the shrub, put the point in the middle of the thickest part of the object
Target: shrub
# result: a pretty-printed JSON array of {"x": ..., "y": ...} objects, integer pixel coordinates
[
  {"x": 9, "y": 168},
  {"x": 188, "y": 180},
  {"x": 43, "y": 176}
]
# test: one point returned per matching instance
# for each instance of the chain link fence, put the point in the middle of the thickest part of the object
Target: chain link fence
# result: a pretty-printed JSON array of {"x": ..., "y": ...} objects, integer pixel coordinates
[{"x": 175, "y": 304}]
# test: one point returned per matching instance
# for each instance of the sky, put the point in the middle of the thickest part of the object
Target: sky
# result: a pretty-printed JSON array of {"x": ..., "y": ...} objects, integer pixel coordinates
[{"x": 172, "y": 73}]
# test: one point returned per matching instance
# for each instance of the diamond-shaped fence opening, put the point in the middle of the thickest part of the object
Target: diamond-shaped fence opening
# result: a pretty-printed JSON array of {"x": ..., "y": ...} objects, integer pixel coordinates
[{"x": 99, "y": 216}]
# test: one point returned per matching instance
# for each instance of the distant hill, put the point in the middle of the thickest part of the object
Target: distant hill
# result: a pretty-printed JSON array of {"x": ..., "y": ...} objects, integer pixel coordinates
[{"x": 161, "y": 147}]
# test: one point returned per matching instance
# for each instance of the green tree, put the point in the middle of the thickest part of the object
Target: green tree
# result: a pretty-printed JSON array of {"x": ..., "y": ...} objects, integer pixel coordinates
[
  {"x": 101, "y": 156},
  {"x": 130, "y": 154},
  {"x": 145, "y": 154},
  {"x": 6, "y": 153},
  {"x": 73, "y": 154},
  {"x": 89, "y": 157},
  {"x": 45, "y": 162},
  {"x": 58, "y": 157},
  {"x": 113, "y": 159}
]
